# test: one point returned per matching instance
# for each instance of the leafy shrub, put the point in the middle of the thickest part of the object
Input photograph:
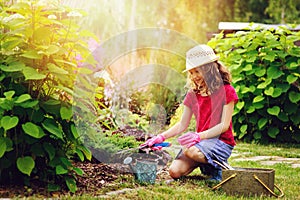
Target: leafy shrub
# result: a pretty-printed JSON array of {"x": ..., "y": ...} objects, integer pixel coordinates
[
  {"x": 38, "y": 66},
  {"x": 265, "y": 69}
]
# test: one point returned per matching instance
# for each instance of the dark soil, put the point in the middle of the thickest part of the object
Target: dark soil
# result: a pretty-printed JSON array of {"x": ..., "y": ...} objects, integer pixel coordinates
[{"x": 97, "y": 176}]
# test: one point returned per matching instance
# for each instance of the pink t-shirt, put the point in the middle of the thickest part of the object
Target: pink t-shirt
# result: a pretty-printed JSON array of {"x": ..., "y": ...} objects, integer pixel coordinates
[{"x": 208, "y": 110}]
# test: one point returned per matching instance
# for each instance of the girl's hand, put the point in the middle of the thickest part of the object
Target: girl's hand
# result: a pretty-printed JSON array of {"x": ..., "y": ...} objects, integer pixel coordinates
[
  {"x": 189, "y": 139},
  {"x": 155, "y": 140}
]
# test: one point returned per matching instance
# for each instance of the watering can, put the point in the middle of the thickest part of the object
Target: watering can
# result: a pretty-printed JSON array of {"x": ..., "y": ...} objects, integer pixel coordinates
[{"x": 145, "y": 170}]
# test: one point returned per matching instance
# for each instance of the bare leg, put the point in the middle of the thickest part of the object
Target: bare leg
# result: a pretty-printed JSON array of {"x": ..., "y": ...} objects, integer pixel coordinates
[
  {"x": 182, "y": 166},
  {"x": 195, "y": 154}
]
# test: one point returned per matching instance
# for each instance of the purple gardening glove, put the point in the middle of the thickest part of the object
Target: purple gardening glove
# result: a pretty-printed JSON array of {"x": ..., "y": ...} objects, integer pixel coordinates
[{"x": 189, "y": 139}]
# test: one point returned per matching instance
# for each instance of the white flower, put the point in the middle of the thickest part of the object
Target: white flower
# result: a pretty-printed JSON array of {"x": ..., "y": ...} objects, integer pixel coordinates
[
  {"x": 12, "y": 17},
  {"x": 52, "y": 17},
  {"x": 16, "y": 48},
  {"x": 74, "y": 14}
]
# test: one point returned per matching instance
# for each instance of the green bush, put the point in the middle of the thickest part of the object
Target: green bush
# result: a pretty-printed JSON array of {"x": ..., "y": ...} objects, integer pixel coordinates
[
  {"x": 38, "y": 65},
  {"x": 265, "y": 69}
]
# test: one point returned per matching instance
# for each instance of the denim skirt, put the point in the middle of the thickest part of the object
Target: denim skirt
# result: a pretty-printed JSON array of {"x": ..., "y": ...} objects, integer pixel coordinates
[{"x": 215, "y": 149}]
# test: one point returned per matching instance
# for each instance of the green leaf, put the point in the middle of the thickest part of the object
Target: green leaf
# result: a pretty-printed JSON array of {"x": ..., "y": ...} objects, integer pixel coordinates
[
  {"x": 258, "y": 99},
  {"x": 240, "y": 105},
  {"x": 8, "y": 122},
  {"x": 37, "y": 116},
  {"x": 74, "y": 131},
  {"x": 242, "y": 134},
  {"x": 66, "y": 113},
  {"x": 65, "y": 62},
  {"x": 283, "y": 117},
  {"x": 52, "y": 49},
  {"x": 53, "y": 187},
  {"x": 33, "y": 130},
  {"x": 292, "y": 65},
  {"x": 240, "y": 51},
  {"x": 270, "y": 56},
  {"x": 29, "y": 104},
  {"x": 277, "y": 92},
  {"x": 52, "y": 102},
  {"x": 86, "y": 152},
  {"x": 80, "y": 155},
  {"x": 264, "y": 84},
  {"x": 245, "y": 90},
  {"x": 260, "y": 72},
  {"x": 42, "y": 34},
  {"x": 269, "y": 91},
  {"x": 273, "y": 72},
  {"x": 65, "y": 161},
  {"x": 248, "y": 67},
  {"x": 274, "y": 110},
  {"x": 2, "y": 77},
  {"x": 251, "y": 109},
  {"x": 284, "y": 87},
  {"x": 9, "y": 94},
  {"x": 262, "y": 122},
  {"x": 294, "y": 96},
  {"x": 71, "y": 184},
  {"x": 32, "y": 74},
  {"x": 244, "y": 128},
  {"x": 25, "y": 164},
  {"x": 32, "y": 55},
  {"x": 78, "y": 171},
  {"x": 253, "y": 119},
  {"x": 257, "y": 135},
  {"x": 59, "y": 169},
  {"x": 49, "y": 149},
  {"x": 295, "y": 118},
  {"x": 55, "y": 69},
  {"x": 2, "y": 146},
  {"x": 273, "y": 131},
  {"x": 258, "y": 105},
  {"x": 6, "y": 104},
  {"x": 52, "y": 127},
  {"x": 9, "y": 144},
  {"x": 250, "y": 59},
  {"x": 13, "y": 67},
  {"x": 22, "y": 98},
  {"x": 291, "y": 78}
]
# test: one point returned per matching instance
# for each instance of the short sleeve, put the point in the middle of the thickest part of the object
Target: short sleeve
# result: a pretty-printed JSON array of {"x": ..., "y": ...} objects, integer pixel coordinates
[
  {"x": 187, "y": 100},
  {"x": 190, "y": 99},
  {"x": 231, "y": 94}
]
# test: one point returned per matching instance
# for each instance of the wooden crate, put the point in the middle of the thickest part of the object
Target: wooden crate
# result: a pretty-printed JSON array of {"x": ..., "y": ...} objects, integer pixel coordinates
[{"x": 249, "y": 181}]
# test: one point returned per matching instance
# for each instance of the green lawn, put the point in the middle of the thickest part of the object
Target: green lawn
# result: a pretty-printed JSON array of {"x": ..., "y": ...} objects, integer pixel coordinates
[{"x": 194, "y": 187}]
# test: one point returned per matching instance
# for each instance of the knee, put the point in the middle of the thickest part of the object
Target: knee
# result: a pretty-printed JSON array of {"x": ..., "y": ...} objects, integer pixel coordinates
[
  {"x": 195, "y": 154},
  {"x": 174, "y": 173}
]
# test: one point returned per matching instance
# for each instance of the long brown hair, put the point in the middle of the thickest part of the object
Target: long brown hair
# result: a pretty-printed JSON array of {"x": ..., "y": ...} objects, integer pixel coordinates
[{"x": 214, "y": 76}]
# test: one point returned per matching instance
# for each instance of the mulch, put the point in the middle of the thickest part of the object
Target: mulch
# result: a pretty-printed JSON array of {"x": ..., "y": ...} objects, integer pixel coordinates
[{"x": 96, "y": 176}]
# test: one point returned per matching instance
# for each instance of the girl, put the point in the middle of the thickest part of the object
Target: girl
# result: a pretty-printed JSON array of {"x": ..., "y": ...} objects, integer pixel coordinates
[{"x": 211, "y": 100}]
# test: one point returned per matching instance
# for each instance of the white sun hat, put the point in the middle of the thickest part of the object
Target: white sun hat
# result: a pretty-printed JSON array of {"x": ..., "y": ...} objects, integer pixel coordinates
[{"x": 199, "y": 55}]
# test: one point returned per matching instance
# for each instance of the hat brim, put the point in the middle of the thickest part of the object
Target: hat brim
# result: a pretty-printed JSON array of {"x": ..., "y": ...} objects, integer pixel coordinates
[{"x": 210, "y": 61}]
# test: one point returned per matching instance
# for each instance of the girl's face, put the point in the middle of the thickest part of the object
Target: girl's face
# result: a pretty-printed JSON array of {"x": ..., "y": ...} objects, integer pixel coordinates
[{"x": 196, "y": 75}]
